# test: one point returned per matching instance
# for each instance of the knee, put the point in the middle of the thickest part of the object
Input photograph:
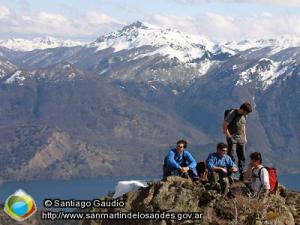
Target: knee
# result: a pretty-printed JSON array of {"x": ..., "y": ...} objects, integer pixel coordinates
[
  {"x": 214, "y": 176},
  {"x": 169, "y": 171},
  {"x": 225, "y": 180}
]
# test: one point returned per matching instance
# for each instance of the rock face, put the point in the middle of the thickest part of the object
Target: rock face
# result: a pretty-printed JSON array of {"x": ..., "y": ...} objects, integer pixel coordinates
[
  {"x": 179, "y": 195},
  {"x": 176, "y": 194},
  {"x": 293, "y": 200}
]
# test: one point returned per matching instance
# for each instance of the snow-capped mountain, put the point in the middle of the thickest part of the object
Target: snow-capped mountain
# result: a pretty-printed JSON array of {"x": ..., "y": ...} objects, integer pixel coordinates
[
  {"x": 276, "y": 44},
  {"x": 199, "y": 55},
  {"x": 19, "y": 44},
  {"x": 142, "y": 52},
  {"x": 169, "y": 42}
]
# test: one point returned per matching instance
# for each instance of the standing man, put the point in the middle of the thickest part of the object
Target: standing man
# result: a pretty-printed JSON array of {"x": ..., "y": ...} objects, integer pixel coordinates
[
  {"x": 234, "y": 127},
  {"x": 220, "y": 167},
  {"x": 180, "y": 162}
]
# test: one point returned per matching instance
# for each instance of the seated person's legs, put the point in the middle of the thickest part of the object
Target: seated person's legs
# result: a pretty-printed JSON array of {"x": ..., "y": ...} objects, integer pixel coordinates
[
  {"x": 169, "y": 171},
  {"x": 193, "y": 174},
  {"x": 225, "y": 184},
  {"x": 214, "y": 178}
]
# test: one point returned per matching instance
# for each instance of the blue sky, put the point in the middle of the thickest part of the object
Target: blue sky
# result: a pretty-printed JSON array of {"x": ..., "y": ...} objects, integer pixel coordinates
[{"x": 220, "y": 20}]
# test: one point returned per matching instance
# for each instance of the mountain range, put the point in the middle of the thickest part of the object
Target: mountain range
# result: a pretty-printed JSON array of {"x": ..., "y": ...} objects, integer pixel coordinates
[
  {"x": 20, "y": 44},
  {"x": 114, "y": 106}
]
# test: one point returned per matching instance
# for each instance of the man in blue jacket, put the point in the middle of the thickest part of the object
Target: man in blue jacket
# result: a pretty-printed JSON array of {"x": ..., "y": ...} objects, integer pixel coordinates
[
  {"x": 180, "y": 162},
  {"x": 220, "y": 167}
]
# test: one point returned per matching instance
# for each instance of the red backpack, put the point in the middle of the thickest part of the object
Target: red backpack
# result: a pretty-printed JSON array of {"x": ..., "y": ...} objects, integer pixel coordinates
[{"x": 273, "y": 180}]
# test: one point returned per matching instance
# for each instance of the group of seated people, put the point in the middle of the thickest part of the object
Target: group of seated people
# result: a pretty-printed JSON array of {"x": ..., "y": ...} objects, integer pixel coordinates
[{"x": 217, "y": 170}]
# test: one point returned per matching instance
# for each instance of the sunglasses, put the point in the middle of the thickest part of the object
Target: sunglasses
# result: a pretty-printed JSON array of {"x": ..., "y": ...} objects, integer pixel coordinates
[
  {"x": 223, "y": 150},
  {"x": 180, "y": 146}
]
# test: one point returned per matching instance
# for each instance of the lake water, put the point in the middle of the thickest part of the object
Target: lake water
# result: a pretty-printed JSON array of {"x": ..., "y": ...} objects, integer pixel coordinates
[
  {"x": 83, "y": 189},
  {"x": 87, "y": 189}
]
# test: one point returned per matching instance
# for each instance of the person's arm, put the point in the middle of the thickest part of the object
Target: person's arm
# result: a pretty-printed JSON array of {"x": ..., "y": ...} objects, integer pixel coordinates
[
  {"x": 225, "y": 129},
  {"x": 191, "y": 160},
  {"x": 211, "y": 165},
  {"x": 264, "y": 176},
  {"x": 265, "y": 179},
  {"x": 171, "y": 161},
  {"x": 231, "y": 165},
  {"x": 228, "y": 119},
  {"x": 245, "y": 133}
]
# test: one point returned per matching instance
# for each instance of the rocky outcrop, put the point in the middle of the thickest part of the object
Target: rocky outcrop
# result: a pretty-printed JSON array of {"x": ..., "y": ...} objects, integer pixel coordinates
[
  {"x": 176, "y": 195},
  {"x": 293, "y": 201}
]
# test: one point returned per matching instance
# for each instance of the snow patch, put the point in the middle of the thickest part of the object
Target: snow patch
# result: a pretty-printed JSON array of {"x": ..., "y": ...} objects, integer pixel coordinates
[
  {"x": 16, "y": 77},
  {"x": 205, "y": 66},
  {"x": 175, "y": 92},
  {"x": 155, "y": 88},
  {"x": 126, "y": 186},
  {"x": 264, "y": 74},
  {"x": 2, "y": 73}
]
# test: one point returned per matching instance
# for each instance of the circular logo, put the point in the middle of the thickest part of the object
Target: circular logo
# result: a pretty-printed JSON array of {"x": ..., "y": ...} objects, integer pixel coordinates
[{"x": 20, "y": 206}]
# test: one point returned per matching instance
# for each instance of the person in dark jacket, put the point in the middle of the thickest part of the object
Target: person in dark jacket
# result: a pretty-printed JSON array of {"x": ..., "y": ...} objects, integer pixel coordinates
[{"x": 180, "y": 162}]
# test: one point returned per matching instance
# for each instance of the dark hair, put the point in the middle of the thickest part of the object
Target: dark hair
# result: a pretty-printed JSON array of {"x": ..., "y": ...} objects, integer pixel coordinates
[
  {"x": 246, "y": 107},
  {"x": 182, "y": 141},
  {"x": 221, "y": 145},
  {"x": 256, "y": 156}
]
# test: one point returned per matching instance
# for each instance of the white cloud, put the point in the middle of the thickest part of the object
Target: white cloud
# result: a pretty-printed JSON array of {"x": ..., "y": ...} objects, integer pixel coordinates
[
  {"x": 52, "y": 20},
  {"x": 184, "y": 23},
  {"x": 97, "y": 18},
  {"x": 92, "y": 24},
  {"x": 224, "y": 28},
  {"x": 4, "y": 12},
  {"x": 87, "y": 26}
]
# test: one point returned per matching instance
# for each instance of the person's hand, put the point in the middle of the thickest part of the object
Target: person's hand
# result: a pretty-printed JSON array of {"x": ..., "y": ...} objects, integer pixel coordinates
[
  {"x": 229, "y": 136},
  {"x": 233, "y": 169},
  {"x": 184, "y": 169},
  {"x": 224, "y": 170}
]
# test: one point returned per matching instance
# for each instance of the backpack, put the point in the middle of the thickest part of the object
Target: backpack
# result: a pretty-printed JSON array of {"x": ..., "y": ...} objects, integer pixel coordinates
[
  {"x": 227, "y": 111},
  {"x": 273, "y": 180},
  {"x": 202, "y": 170}
]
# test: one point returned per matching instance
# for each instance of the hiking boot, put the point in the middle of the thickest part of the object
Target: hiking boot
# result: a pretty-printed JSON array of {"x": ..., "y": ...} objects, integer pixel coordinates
[
  {"x": 241, "y": 177},
  {"x": 197, "y": 182},
  {"x": 230, "y": 195},
  {"x": 185, "y": 175},
  {"x": 225, "y": 186},
  {"x": 217, "y": 187},
  {"x": 231, "y": 180},
  {"x": 207, "y": 186}
]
